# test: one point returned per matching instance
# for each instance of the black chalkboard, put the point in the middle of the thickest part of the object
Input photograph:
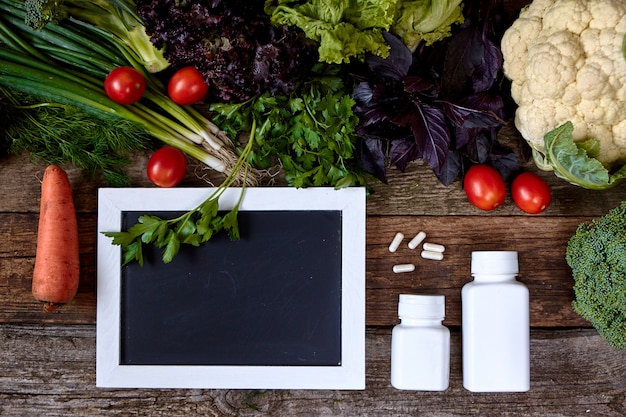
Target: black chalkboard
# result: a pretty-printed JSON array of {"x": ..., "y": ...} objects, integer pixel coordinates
[{"x": 272, "y": 297}]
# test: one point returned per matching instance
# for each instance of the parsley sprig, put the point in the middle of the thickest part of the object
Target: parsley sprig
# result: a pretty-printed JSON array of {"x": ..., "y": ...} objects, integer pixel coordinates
[
  {"x": 310, "y": 131},
  {"x": 193, "y": 227}
]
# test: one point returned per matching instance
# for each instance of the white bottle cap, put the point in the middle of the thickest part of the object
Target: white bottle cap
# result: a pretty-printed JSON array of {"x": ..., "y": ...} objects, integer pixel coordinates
[
  {"x": 494, "y": 262},
  {"x": 422, "y": 306}
]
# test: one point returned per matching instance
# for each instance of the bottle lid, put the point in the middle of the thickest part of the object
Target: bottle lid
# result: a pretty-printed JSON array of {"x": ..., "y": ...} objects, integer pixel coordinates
[
  {"x": 422, "y": 306},
  {"x": 494, "y": 262}
]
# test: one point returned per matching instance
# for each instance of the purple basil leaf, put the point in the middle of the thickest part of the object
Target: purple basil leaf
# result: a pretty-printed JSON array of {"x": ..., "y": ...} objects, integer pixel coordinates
[
  {"x": 485, "y": 101},
  {"x": 468, "y": 118},
  {"x": 419, "y": 85},
  {"x": 373, "y": 157},
  {"x": 486, "y": 73},
  {"x": 431, "y": 135},
  {"x": 402, "y": 152},
  {"x": 482, "y": 146},
  {"x": 464, "y": 54},
  {"x": 398, "y": 112},
  {"x": 397, "y": 64},
  {"x": 451, "y": 168},
  {"x": 363, "y": 93},
  {"x": 504, "y": 161}
]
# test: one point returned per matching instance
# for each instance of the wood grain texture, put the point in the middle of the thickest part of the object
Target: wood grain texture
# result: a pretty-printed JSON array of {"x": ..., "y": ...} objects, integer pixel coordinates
[
  {"x": 542, "y": 267},
  {"x": 49, "y": 370},
  {"x": 47, "y": 362}
]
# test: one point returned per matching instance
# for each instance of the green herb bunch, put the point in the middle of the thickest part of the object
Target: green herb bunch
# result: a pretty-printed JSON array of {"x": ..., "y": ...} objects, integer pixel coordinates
[
  {"x": 64, "y": 134},
  {"x": 193, "y": 227},
  {"x": 311, "y": 131}
]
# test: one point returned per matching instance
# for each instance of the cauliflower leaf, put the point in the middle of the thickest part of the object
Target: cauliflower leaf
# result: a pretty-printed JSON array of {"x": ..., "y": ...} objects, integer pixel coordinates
[{"x": 575, "y": 161}]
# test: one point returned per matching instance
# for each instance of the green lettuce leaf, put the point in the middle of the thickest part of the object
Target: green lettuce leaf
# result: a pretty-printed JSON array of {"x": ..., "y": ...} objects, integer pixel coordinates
[
  {"x": 426, "y": 20},
  {"x": 343, "y": 28},
  {"x": 575, "y": 162},
  {"x": 348, "y": 29}
]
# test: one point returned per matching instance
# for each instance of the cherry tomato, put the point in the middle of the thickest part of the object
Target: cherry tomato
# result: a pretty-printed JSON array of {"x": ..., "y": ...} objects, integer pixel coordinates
[
  {"x": 187, "y": 86},
  {"x": 484, "y": 187},
  {"x": 530, "y": 193},
  {"x": 124, "y": 85},
  {"x": 167, "y": 167}
]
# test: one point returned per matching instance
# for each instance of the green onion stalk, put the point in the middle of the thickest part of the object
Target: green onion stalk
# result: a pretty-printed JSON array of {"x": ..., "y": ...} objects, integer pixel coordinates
[{"x": 66, "y": 61}]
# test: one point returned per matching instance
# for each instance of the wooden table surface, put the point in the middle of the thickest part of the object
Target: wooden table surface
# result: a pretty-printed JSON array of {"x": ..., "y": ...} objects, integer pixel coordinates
[{"x": 47, "y": 361}]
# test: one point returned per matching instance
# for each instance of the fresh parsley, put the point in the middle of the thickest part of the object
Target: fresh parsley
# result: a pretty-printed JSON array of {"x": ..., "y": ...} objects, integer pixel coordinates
[
  {"x": 192, "y": 228},
  {"x": 310, "y": 132}
]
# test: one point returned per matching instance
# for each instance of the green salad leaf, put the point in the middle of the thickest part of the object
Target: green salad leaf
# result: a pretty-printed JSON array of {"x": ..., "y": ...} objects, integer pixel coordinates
[
  {"x": 346, "y": 29},
  {"x": 427, "y": 20},
  {"x": 575, "y": 161}
]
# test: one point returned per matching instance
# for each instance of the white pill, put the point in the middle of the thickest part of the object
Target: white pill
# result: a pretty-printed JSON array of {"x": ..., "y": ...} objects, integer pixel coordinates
[
  {"x": 396, "y": 242},
  {"x": 403, "y": 268},
  {"x": 415, "y": 242},
  {"x": 436, "y": 256},
  {"x": 433, "y": 247}
]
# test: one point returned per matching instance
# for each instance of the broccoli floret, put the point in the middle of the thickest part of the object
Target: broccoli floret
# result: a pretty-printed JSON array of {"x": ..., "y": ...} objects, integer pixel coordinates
[
  {"x": 41, "y": 12},
  {"x": 597, "y": 255}
]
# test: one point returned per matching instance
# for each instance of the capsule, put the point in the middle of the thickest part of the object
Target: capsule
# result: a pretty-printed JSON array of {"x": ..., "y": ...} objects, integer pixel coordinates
[
  {"x": 398, "y": 269},
  {"x": 395, "y": 243},
  {"x": 433, "y": 247},
  {"x": 435, "y": 256},
  {"x": 415, "y": 242}
]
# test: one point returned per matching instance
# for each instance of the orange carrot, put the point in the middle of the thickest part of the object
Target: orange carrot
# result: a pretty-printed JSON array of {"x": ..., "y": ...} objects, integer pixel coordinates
[{"x": 57, "y": 265}]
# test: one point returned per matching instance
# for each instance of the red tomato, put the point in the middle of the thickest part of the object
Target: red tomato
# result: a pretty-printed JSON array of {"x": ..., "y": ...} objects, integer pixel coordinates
[
  {"x": 530, "y": 193},
  {"x": 187, "y": 86},
  {"x": 484, "y": 187},
  {"x": 125, "y": 85},
  {"x": 167, "y": 167}
]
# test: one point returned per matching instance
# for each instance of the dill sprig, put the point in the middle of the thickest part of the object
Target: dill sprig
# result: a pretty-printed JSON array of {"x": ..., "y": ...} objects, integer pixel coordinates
[{"x": 63, "y": 134}]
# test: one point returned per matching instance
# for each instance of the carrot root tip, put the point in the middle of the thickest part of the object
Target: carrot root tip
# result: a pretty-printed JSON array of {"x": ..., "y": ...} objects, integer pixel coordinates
[{"x": 49, "y": 307}]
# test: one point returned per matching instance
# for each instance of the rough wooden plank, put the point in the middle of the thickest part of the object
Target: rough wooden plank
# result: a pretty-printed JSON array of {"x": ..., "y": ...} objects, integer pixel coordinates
[
  {"x": 540, "y": 241},
  {"x": 414, "y": 192},
  {"x": 49, "y": 370}
]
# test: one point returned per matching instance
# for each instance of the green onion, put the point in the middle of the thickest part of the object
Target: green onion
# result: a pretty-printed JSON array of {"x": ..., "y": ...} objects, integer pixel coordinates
[{"x": 67, "y": 63}]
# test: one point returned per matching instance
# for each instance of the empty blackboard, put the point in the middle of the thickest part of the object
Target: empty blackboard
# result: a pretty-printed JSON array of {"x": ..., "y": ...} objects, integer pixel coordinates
[
  {"x": 283, "y": 307},
  {"x": 272, "y": 297}
]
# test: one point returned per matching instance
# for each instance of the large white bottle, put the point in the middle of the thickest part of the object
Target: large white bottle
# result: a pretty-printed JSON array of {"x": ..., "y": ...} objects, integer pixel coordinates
[
  {"x": 420, "y": 344},
  {"x": 495, "y": 325}
]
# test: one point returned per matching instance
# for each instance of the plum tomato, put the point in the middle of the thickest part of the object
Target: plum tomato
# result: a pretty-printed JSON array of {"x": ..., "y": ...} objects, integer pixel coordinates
[
  {"x": 167, "y": 167},
  {"x": 484, "y": 187},
  {"x": 530, "y": 193},
  {"x": 125, "y": 85},
  {"x": 187, "y": 86}
]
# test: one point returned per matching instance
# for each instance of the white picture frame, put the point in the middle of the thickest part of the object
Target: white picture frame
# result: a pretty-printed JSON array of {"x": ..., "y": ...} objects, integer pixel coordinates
[{"x": 349, "y": 374}]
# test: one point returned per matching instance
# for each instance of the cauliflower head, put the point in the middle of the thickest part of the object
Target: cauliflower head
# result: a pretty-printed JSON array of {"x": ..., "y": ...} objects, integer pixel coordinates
[{"x": 565, "y": 62}]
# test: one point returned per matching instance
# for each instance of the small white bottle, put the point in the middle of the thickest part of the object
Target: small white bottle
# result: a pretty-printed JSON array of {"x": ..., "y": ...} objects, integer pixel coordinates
[
  {"x": 420, "y": 344},
  {"x": 495, "y": 325}
]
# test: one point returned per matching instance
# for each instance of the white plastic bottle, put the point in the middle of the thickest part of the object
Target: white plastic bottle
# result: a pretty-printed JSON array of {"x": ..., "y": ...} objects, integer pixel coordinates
[
  {"x": 495, "y": 325},
  {"x": 420, "y": 344}
]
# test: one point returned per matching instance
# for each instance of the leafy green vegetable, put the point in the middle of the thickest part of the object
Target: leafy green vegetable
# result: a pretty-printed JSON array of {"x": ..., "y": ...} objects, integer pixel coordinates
[
  {"x": 311, "y": 131},
  {"x": 427, "y": 20},
  {"x": 575, "y": 162},
  {"x": 347, "y": 29},
  {"x": 344, "y": 29},
  {"x": 191, "y": 228},
  {"x": 63, "y": 134},
  {"x": 597, "y": 255}
]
